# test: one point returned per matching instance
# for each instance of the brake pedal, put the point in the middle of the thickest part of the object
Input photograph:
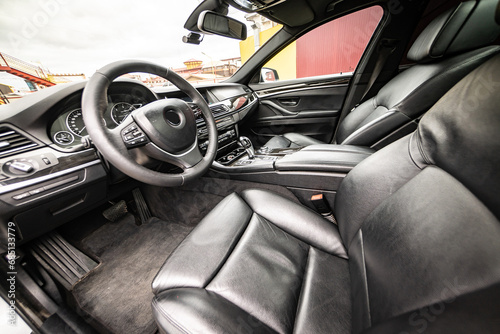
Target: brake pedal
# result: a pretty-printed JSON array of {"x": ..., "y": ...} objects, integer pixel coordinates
[
  {"x": 117, "y": 211},
  {"x": 141, "y": 205}
]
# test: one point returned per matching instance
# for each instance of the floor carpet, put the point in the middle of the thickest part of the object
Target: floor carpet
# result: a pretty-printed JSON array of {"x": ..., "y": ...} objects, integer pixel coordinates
[{"x": 118, "y": 292}]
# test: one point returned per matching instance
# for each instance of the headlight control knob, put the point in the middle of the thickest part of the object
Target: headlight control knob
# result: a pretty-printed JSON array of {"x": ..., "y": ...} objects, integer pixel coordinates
[{"x": 19, "y": 167}]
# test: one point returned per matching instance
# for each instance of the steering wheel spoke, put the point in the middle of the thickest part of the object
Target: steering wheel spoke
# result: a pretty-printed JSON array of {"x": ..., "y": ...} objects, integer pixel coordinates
[{"x": 184, "y": 160}]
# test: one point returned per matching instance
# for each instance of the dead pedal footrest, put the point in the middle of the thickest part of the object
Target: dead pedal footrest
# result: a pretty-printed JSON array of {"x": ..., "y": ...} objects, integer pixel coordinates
[{"x": 62, "y": 260}]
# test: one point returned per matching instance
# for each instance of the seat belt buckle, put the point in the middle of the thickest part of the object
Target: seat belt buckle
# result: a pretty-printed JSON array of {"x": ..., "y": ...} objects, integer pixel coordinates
[{"x": 321, "y": 204}]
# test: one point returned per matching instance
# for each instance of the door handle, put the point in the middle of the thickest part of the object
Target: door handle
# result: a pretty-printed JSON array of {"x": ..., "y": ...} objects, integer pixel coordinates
[
  {"x": 289, "y": 102},
  {"x": 278, "y": 109}
]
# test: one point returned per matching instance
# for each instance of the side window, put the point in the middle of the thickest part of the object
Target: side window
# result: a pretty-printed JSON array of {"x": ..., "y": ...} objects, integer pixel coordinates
[{"x": 333, "y": 48}]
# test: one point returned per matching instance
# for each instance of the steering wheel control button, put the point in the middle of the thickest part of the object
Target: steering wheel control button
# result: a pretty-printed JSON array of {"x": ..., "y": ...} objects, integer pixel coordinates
[{"x": 133, "y": 137}]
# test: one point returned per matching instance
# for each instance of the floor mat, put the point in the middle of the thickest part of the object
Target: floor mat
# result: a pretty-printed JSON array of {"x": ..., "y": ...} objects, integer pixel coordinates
[
  {"x": 118, "y": 292},
  {"x": 193, "y": 201}
]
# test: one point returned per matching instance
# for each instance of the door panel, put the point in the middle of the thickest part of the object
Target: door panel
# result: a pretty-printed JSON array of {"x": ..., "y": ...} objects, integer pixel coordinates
[
  {"x": 303, "y": 86},
  {"x": 305, "y": 106}
]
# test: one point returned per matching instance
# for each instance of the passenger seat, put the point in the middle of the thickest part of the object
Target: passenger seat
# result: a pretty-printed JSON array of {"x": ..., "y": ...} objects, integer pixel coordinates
[{"x": 449, "y": 48}]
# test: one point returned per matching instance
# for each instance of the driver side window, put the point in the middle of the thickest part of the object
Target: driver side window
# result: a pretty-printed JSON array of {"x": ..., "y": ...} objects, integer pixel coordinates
[{"x": 332, "y": 48}]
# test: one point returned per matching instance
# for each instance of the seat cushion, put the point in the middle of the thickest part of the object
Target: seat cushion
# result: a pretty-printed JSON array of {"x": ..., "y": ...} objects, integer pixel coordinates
[{"x": 257, "y": 262}]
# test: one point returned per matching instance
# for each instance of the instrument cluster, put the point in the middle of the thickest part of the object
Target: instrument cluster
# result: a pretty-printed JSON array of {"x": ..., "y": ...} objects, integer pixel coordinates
[{"x": 68, "y": 129}]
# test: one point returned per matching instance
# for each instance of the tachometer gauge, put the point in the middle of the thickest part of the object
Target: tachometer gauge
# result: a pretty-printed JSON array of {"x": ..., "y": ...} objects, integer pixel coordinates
[
  {"x": 64, "y": 138},
  {"x": 75, "y": 124},
  {"x": 120, "y": 111}
]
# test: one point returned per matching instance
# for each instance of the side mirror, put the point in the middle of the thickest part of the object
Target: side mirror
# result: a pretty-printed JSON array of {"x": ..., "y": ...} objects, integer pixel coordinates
[
  {"x": 268, "y": 75},
  {"x": 214, "y": 23}
]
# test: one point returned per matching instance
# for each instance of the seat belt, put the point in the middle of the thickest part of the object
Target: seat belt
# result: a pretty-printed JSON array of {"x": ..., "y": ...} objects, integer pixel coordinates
[{"x": 386, "y": 48}]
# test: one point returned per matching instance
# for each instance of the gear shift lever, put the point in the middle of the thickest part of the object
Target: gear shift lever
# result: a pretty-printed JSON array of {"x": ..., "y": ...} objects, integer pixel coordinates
[{"x": 247, "y": 145}]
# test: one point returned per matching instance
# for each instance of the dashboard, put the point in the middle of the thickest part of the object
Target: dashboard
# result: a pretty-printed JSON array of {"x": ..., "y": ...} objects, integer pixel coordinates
[
  {"x": 228, "y": 103},
  {"x": 49, "y": 176}
]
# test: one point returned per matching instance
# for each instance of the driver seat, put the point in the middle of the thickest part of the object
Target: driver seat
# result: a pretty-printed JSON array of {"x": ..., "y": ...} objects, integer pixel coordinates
[{"x": 417, "y": 245}]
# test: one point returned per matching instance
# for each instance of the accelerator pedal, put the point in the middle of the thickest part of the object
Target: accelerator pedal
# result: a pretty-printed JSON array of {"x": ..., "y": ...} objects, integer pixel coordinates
[
  {"x": 141, "y": 205},
  {"x": 62, "y": 260}
]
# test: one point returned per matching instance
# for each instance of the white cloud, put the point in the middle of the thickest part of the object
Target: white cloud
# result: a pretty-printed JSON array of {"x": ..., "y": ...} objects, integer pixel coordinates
[{"x": 75, "y": 36}]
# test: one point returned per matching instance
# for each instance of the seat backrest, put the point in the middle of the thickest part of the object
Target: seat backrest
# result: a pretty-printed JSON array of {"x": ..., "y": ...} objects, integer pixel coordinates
[
  {"x": 420, "y": 219},
  {"x": 449, "y": 48}
]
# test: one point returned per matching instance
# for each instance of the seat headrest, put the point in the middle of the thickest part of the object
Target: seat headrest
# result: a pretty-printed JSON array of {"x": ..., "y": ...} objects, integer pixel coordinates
[{"x": 468, "y": 26}]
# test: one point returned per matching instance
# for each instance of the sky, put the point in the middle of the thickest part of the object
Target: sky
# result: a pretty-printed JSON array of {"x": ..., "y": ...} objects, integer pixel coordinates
[{"x": 80, "y": 36}]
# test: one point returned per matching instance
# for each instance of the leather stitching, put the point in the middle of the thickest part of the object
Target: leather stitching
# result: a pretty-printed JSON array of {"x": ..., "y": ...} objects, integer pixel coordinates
[
  {"x": 365, "y": 274},
  {"x": 364, "y": 128},
  {"x": 420, "y": 146},
  {"x": 174, "y": 323},
  {"x": 411, "y": 155},
  {"x": 302, "y": 286},
  {"x": 262, "y": 322}
]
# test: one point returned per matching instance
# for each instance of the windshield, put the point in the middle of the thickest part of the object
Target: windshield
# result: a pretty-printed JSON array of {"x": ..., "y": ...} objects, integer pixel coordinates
[{"x": 49, "y": 42}]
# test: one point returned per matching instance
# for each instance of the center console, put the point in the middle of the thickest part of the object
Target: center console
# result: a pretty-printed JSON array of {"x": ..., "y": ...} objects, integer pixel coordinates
[
  {"x": 319, "y": 158},
  {"x": 305, "y": 171}
]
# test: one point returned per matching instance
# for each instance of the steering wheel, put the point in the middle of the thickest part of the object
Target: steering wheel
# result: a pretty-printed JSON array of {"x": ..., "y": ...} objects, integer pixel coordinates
[{"x": 164, "y": 129}]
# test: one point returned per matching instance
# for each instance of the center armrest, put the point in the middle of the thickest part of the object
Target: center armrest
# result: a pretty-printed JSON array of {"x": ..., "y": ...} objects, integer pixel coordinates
[{"x": 325, "y": 158}]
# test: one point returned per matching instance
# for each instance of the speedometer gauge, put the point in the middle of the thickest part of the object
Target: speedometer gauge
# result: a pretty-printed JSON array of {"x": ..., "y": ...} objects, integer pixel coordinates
[
  {"x": 120, "y": 111},
  {"x": 75, "y": 124}
]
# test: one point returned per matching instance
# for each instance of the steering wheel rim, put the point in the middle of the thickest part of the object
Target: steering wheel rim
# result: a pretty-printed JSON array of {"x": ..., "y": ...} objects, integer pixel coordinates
[{"x": 151, "y": 122}]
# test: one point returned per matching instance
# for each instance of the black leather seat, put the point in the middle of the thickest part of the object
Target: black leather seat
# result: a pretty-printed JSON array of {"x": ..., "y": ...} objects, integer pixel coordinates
[
  {"x": 417, "y": 247},
  {"x": 449, "y": 48}
]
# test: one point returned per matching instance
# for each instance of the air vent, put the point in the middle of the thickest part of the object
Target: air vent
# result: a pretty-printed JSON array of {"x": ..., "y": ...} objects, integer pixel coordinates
[
  {"x": 12, "y": 142},
  {"x": 217, "y": 110}
]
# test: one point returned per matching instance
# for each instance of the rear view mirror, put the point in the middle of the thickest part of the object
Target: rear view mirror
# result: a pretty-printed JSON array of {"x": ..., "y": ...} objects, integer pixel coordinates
[{"x": 218, "y": 24}]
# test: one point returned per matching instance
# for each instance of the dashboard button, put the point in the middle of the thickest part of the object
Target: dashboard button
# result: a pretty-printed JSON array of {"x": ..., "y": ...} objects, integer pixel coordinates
[
  {"x": 36, "y": 191},
  {"x": 21, "y": 196}
]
